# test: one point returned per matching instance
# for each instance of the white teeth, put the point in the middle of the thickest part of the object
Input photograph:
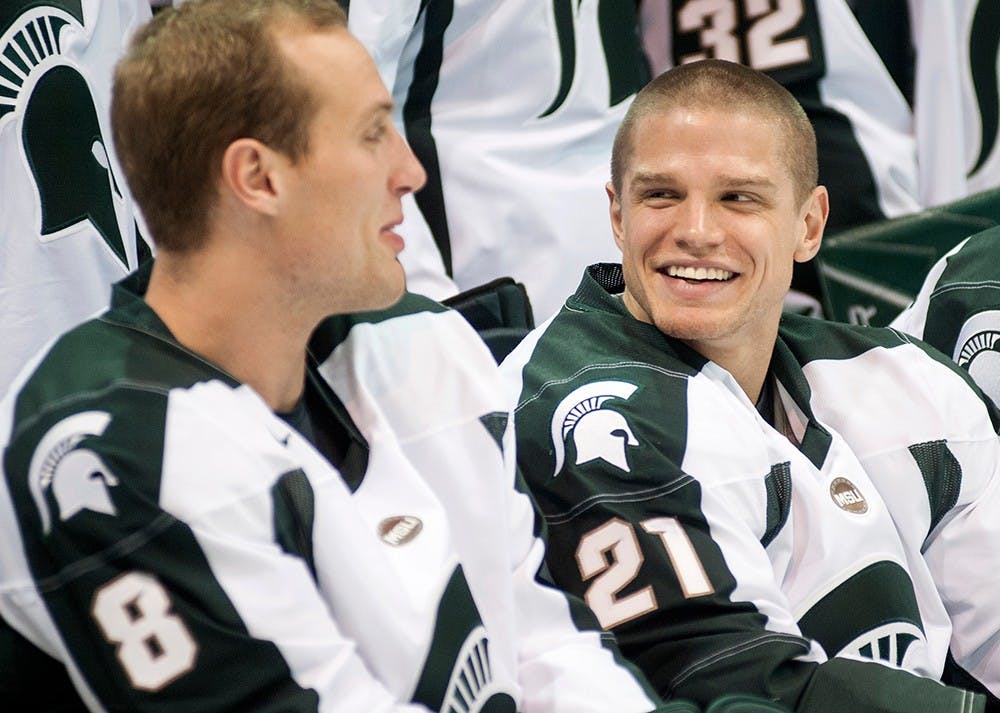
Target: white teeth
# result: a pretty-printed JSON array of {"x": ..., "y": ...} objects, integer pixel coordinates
[{"x": 698, "y": 273}]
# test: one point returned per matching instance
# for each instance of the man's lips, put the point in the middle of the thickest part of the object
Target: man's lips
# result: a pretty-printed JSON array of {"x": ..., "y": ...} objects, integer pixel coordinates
[
  {"x": 698, "y": 273},
  {"x": 395, "y": 239}
]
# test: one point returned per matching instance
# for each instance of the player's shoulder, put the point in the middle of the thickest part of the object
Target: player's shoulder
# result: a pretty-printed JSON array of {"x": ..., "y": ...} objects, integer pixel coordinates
[
  {"x": 597, "y": 386},
  {"x": 815, "y": 338},
  {"x": 410, "y": 309},
  {"x": 883, "y": 357},
  {"x": 422, "y": 361},
  {"x": 594, "y": 333}
]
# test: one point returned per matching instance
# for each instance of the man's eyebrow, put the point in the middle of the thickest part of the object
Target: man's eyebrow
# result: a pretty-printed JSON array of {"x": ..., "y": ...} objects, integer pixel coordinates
[
  {"x": 759, "y": 181},
  {"x": 644, "y": 179},
  {"x": 380, "y": 108}
]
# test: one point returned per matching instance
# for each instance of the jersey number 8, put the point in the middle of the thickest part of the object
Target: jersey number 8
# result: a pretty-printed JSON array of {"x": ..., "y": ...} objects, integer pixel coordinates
[{"x": 152, "y": 644}]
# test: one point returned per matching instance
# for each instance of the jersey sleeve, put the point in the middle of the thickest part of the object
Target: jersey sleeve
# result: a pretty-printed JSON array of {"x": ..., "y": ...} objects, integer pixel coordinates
[
  {"x": 171, "y": 594},
  {"x": 692, "y": 599},
  {"x": 964, "y": 494},
  {"x": 572, "y": 665}
]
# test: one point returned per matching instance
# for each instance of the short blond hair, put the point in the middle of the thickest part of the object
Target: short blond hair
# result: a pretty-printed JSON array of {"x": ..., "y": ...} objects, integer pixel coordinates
[
  {"x": 717, "y": 84},
  {"x": 195, "y": 79}
]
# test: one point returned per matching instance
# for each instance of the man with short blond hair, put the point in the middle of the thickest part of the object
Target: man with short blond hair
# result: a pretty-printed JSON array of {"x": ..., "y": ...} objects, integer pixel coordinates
[
  {"x": 778, "y": 505},
  {"x": 203, "y": 510}
]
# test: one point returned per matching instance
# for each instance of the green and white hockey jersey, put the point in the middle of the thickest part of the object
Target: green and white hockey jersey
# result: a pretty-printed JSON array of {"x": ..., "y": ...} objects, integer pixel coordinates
[
  {"x": 725, "y": 557},
  {"x": 178, "y": 547}
]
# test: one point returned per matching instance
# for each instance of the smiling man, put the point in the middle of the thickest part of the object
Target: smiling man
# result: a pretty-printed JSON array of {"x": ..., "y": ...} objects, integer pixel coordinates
[{"x": 754, "y": 502}]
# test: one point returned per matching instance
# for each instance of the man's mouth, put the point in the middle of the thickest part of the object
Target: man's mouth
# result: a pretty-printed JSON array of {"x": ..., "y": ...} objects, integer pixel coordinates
[{"x": 700, "y": 274}]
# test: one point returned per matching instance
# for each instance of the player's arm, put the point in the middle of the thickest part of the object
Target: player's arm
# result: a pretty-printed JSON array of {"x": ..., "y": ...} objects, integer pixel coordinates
[
  {"x": 573, "y": 665},
  {"x": 680, "y": 572},
  {"x": 658, "y": 576},
  {"x": 961, "y": 545},
  {"x": 153, "y": 557}
]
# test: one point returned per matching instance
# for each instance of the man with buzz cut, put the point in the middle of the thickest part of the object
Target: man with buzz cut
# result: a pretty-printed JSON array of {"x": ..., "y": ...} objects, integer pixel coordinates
[
  {"x": 778, "y": 505},
  {"x": 200, "y": 510}
]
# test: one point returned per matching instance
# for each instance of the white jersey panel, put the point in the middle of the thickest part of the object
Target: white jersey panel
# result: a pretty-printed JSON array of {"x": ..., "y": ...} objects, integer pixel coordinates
[
  {"x": 957, "y": 118},
  {"x": 858, "y": 85},
  {"x": 67, "y": 224},
  {"x": 232, "y": 521},
  {"x": 955, "y": 567}
]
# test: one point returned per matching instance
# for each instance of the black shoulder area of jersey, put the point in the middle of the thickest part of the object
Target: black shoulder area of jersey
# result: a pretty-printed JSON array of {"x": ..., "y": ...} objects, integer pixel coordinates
[
  {"x": 595, "y": 327},
  {"x": 809, "y": 338},
  {"x": 334, "y": 330},
  {"x": 126, "y": 347}
]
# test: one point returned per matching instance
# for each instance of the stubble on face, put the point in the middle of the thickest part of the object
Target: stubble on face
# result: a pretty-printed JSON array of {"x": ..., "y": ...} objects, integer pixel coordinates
[{"x": 707, "y": 189}]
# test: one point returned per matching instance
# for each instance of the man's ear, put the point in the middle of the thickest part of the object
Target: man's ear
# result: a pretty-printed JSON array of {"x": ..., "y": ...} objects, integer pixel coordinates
[
  {"x": 816, "y": 211},
  {"x": 615, "y": 212},
  {"x": 250, "y": 171}
]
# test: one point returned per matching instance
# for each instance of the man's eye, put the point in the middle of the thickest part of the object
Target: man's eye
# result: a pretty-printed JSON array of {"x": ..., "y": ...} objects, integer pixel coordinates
[
  {"x": 739, "y": 197},
  {"x": 376, "y": 134}
]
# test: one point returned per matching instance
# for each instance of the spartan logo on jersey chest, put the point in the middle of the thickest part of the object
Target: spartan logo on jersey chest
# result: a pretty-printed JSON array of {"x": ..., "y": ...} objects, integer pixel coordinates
[
  {"x": 61, "y": 135},
  {"x": 63, "y": 471},
  {"x": 598, "y": 433},
  {"x": 847, "y": 497},
  {"x": 848, "y": 620}
]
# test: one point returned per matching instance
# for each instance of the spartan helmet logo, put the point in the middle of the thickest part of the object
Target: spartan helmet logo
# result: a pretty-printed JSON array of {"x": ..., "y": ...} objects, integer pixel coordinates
[
  {"x": 597, "y": 432},
  {"x": 76, "y": 478},
  {"x": 977, "y": 350},
  {"x": 60, "y": 130}
]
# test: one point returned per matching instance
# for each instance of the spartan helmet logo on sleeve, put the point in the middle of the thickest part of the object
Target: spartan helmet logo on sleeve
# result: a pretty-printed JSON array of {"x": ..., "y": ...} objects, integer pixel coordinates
[
  {"x": 597, "y": 432},
  {"x": 61, "y": 134},
  {"x": 75, "y": 477}
]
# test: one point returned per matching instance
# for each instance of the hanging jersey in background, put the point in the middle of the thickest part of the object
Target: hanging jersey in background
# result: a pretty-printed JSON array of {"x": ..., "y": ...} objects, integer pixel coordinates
[
  {"x": 958, "y": 108},
  {"x": 511, "y": 106},
  {"x": 67, "y": 226}
]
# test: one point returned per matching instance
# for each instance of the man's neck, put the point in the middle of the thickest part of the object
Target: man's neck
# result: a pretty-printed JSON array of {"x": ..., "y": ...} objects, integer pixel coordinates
[
  {"x": 747, "y": 362},
  {"x": 229, "y": 315}
]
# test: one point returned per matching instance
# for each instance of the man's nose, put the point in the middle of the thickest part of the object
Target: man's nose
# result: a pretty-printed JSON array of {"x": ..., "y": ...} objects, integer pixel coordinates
[
  {"x": 697, "y": 225},
  {"x": 409, "y": 176}
]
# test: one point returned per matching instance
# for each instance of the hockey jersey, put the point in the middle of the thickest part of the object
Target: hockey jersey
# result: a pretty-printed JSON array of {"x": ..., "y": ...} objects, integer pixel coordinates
[
  {"x": 67, "y": 223},
  {"x": 958, "y": 309},
  {"x": 841, "y": 573},
  {"x": 177, "y": 546},
  {"x": 512, "y": 107},
  {"x": 957, "y": 97}
]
